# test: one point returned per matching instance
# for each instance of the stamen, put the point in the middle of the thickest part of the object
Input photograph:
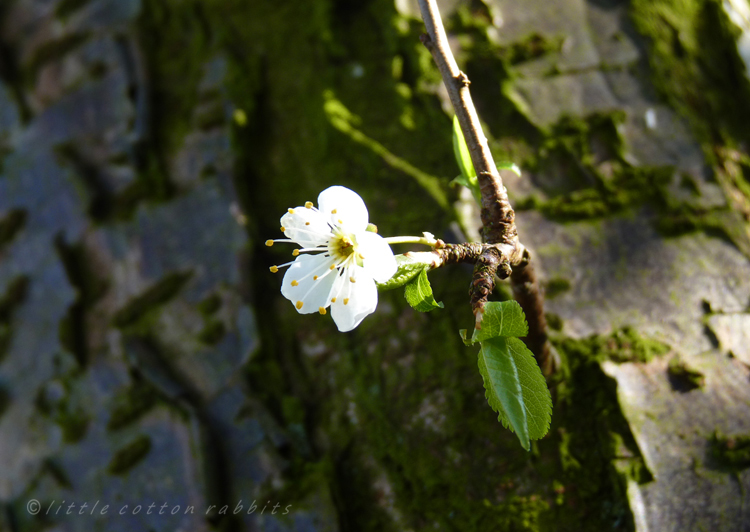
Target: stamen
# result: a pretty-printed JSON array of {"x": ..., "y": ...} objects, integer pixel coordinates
[
  {"x": 346, "y": 301},
  {"x": 333, "y": 266},
  {"x": 334, "y": 211},
  {"x": 283, "y": 229},
  {"x": 269, "y": 243},
  {"x": 340, "y": 222},
  {"x": 290, "y": 211},
  {"x": 295, "y": 252},
  {"x": 307, "y": 223},
  {"x": 315, "y": 277},
  {"x": 333, "y": 300},
  {"x": 352, "y": 279},
  {"x": 274, "y": 269},
  {"x": 299, "y": 305},
  {"x": 308, "y": 204},
  {"x": 294, "y": 283},
  {"x": 322, "y": 310}
]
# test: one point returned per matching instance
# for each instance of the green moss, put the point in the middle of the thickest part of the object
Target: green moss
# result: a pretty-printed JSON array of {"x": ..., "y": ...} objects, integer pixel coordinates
[
  {"x": 154, "y": 297},
  {"x": 212, "y": 332},
  {"x": 51, "y": 51},
  {"x": 695, "y": 65},
  {"x": 4, "y": 401},
  {"x": 74, "y": 424},
  {"x": 209, "y": 305},
  {"x": 556, "y": 286},
  {"x": 130, "y": 455},
  {"x": 131, "y": 404},
  {"x": 682, "y": 377},
  {"x": 65, "y": 8},
  {"x": 622, "y": 345},
  {"x": 731, "y": 452},
  {"x": 14, "y": 295},
  {"x": 554, "y": 321},
  {"x": 175, "y": 37},
  {"x": 10, "y": 225}
]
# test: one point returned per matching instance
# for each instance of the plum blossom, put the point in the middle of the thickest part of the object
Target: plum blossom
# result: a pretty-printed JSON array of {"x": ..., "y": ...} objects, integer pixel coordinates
[{"x": 339, "y": 261}]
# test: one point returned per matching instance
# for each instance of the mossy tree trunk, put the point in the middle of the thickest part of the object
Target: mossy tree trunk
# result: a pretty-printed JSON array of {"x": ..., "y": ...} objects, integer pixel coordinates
[{"x": 147, "y": 150}]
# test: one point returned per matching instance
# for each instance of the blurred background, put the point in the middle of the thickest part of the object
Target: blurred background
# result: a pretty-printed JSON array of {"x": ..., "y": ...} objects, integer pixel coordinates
[{"x": 149, "y": 147}]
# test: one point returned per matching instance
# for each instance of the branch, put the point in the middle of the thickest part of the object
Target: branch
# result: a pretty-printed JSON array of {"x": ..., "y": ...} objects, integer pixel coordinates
[{"x": 503, "y": 253}]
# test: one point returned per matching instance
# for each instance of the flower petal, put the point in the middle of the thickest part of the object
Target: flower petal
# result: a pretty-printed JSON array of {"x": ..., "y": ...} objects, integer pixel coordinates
[
  {"x": 379, "y": 262},
  {"x": 307, "y": 227},
  {"x": 361, "y": 300},
  {"x": 350, "y": 209},
  {"x": 300, "y": 285}
]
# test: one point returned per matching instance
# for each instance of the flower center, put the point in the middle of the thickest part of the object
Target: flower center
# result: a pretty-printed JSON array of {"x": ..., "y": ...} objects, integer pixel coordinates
[{"x": 342, "y": 245}]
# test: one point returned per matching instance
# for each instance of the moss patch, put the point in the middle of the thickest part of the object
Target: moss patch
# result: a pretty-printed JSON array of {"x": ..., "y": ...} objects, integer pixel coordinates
[
  {"x": 10, "y": 225},
  {"x": 130, "y": 455},
  {"x": 153, "y": 298},
  {"x": 683, "y": 378},
  {"x": 131, "y": 404},
  {"x": 731, "y": 452},
  {"x": 623, "y": 345},
  {"x": 556, "y": 286}
]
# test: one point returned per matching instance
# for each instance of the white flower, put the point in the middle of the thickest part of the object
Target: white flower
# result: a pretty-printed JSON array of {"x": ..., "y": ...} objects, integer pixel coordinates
[{"x": 340, "y": 260}]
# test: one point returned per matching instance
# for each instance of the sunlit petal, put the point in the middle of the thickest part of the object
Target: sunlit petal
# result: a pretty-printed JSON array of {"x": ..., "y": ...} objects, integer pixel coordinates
[
  {"x": 307, "y": 227},
  {"x": 308, "y": 282},
  {"x": 357, "y": 301},
  {"x": 378, "y": 260},
  {"x": 350, "y": 211}
]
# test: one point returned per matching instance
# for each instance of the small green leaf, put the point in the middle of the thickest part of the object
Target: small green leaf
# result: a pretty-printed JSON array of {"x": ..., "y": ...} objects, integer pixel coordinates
[
  {"x": 515, "y": 388},
  {"x": 504, "y": 318},
  {"x": 408, "y": 268},
  {"x": 513, "y": 167},
  {"x": 419, "y": 294},
  {"x": 467, "y": 341},
  {"x": 463, "y": 156},
  {"x": 460, "y": 180}
]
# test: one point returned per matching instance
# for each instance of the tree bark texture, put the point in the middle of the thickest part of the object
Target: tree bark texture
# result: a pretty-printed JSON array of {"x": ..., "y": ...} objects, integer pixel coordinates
[{"x": 147, "y": 151}]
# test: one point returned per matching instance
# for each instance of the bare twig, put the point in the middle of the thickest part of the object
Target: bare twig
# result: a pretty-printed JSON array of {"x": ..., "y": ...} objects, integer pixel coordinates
[{"x": 503, "y": 253}]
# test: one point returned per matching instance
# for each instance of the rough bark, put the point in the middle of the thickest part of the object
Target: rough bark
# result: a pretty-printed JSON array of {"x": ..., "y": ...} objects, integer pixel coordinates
[{"x": 147, "y": 150}]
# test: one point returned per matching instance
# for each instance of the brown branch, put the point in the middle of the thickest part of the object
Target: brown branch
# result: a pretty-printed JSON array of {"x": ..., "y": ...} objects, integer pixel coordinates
[{"x": 505, "y": 251}]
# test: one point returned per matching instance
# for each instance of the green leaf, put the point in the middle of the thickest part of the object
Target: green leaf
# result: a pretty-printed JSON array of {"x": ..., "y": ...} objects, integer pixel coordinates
[
  {"x": 419, "y": 294},
  {"x": 408, "y": 268},
  {"x": 515, "y": 388},
  {"x": 513, "y": 167},
  {"x": 503, "y": 318},
  {"x": 463, "y": 156}
]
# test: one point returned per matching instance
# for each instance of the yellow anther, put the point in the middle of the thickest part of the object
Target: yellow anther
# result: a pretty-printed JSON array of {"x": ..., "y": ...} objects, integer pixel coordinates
[
  {"x": 307, "y": 223},
  {"x": 269, "y": 243},
  {"x": 290, "y": 211},
  {"x": 274, "y": 269},
  {"x": 333, "y": 211},
  {"x": 341, "y": 222},
  {"x": 283, "y": 229},
  {"x": 308, "y": 204},
  {"x": 352, "y": 279},
  {"x": 298, "y": 305},
  {"x": 333, "y": 266},
  {"x": 346, "y": 301},
  {"x": 322, "y": 310},
  {"x": 361, "y": 256},
  {"x": 294, "y": 283},
  {"x": 333, "y": 300},
  {"x": 295, "y": 253},
  {"x": 315, "y": 277}
]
